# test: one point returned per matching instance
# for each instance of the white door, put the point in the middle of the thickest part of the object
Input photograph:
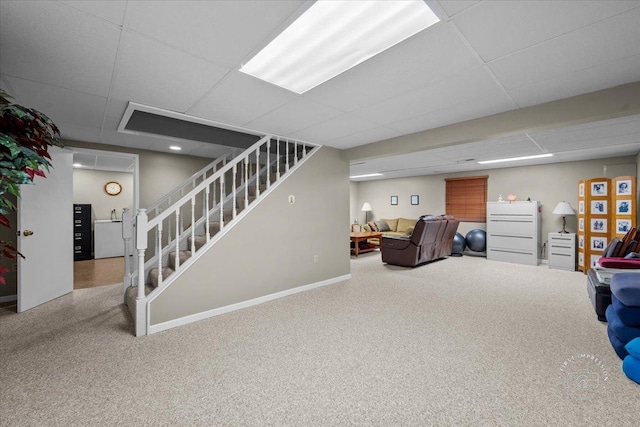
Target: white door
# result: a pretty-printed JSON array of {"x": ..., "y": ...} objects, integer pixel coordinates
[{"x": 45, "y": 224}]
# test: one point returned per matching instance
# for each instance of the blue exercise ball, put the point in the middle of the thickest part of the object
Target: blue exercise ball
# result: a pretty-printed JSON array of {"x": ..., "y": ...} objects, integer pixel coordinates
[
  {"x": 476, "y": 240},
  {"x": 459, "y": 244}
]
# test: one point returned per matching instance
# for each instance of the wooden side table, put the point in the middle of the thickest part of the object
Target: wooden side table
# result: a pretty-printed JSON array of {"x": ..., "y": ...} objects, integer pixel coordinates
[{"x": 358, "y": 237}]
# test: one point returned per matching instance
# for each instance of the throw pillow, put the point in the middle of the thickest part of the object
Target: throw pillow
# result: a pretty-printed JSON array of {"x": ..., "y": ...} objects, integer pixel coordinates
[
  {"x": 382, "y": 226},
  {"x": 393, "y": 224},
  {"x": 633, "y": 347},
  {"x": 367, "y": 228},
  {"x": 404, "y": 223},
  {"x": 373, "y": 226},
  {"x": 409, "y": 231}
]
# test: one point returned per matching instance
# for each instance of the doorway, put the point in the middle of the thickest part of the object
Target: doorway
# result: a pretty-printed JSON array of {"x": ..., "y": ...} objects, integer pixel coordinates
[{"x": 96, "y": 174}]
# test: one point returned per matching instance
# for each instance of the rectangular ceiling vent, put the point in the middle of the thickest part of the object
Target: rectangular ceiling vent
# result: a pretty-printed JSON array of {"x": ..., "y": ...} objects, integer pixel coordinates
[{"x": 141, "y": 119}]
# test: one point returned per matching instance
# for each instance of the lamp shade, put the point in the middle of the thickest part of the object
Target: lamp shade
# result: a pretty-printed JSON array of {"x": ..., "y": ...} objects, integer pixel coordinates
[
  {"x": 366, "y": 207},
  {"x": 564, "y": 208}
]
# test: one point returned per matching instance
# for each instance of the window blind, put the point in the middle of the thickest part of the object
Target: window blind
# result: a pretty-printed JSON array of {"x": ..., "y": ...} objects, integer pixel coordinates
[{"x": 466, "y": 198}]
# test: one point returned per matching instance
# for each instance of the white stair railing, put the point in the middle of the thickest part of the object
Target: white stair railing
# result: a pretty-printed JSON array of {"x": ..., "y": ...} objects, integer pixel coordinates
[{"x": 216, "y": 197}]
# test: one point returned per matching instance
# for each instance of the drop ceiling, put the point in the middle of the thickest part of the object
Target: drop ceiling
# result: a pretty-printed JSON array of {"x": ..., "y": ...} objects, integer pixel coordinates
[{"x": 82, "y": 62}]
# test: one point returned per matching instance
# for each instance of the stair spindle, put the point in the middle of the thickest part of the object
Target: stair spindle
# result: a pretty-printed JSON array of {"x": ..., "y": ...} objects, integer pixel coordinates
[
  {"x": 278, "y": 158},
  {"x": 258, "y": 172},
  {"x": 177, "y": 239},
  {"x": 286, "y": 146},
  {"x": 246, "y": 181},
  {"x": 206, "y": 216},
  {"x": 221, "y": 202},
  {"x": 159, "y": 252},
  {"x": 234, "y": 179},
  {"x": 295, "y": 153},
  {"x": 268, "y": 163},
  {"x": 193, "y": 222}
]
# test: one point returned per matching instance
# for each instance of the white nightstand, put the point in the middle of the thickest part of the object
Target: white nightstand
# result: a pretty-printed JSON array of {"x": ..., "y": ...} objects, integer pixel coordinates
[{"x": 562, "y": 251}]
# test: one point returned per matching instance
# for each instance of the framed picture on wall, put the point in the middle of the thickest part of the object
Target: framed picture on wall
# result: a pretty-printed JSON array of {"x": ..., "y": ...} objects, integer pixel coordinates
[
  {"x": 598, "y": 207},
  {"x": 599, "y": 225},
  {"x": 599, "y": 188},
  {"x": 623, "y": 225},
  {"x": 581, "y": 190},
  {"x": 623, "y": 188},
  {"x": 415, "y": 199},
  {"x": 581, "y": 207},
  {"x": 394, "y": 200},
  {"x": 581, "y": 224},
  {"x": 581, "y": 241},
  {"x": 623, "y": 207},
  {"x": 598, "y": 243}
]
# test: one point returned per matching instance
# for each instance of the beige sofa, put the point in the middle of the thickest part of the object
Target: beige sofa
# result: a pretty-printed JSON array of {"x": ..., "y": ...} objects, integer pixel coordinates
[{"x": 395, "y": 227}]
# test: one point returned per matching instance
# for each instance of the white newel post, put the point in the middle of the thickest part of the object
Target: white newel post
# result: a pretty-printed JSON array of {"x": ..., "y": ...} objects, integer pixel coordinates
[
  {"x": 127, "y": 231},
  {"x": 141, "y": 246}
]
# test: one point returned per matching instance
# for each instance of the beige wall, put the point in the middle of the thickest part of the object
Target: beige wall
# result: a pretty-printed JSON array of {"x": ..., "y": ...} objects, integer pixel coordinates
[
  {"x": 548, "y": 184},
  {"x": 88, "y": 187},
  {"x": 272, "y": 249},
  {"x": 159, "y": 172}
]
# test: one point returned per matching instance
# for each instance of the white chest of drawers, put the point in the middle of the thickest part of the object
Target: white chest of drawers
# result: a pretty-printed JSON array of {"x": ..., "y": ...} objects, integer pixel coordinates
[
  {"x": 513, "y": 232},
  {"x": 562, "y": 251}
]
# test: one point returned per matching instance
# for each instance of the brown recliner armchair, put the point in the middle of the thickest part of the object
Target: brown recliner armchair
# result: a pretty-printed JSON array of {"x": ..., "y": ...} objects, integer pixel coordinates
[
  {"x": 416, "y": 249},
  {"x": 445, "y": 244}
]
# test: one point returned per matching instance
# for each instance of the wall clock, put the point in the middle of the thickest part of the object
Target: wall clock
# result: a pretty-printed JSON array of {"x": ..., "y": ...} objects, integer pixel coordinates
[{"x": 113, "y": 188}]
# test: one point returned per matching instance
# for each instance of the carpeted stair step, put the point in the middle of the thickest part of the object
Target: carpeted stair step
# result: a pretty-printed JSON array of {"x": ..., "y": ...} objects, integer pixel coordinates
[
  {"x": 184, "y": 255},
  {"x": 252, "y": 189},
  {"x": 200, "y": 241},
  {"x": 240, "y": 202},
  {"x": 153, "y": 275}
]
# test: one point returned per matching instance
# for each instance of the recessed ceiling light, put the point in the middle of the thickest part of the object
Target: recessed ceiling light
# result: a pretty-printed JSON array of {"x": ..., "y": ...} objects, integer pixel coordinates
[
  {"x": 365, "y": 176},
  {"x": 175, "y": 148},
  {"x": 513, "y": 159},
  {"x": 77, "y": 165},
  {"x": 332, "y": 37}
]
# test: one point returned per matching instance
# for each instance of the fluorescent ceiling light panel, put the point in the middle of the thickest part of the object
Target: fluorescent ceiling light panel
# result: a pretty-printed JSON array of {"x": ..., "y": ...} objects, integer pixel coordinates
[
  {"x": 513, "y": 159},
  {"x": 77, "y": 165},
  {"x": 332, "y": 37},
  {"x": 365, "y": 176},
  {"x": 175, "y": 148}
]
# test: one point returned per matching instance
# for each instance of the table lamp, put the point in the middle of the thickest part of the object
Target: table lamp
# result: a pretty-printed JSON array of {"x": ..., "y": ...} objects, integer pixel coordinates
[
  {"x": 366, "y": 208},
  {"x": 563, "y": 208}
]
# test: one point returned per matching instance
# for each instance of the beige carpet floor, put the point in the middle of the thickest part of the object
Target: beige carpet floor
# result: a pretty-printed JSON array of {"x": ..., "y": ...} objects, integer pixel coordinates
[{"x": 463, "y": 341}]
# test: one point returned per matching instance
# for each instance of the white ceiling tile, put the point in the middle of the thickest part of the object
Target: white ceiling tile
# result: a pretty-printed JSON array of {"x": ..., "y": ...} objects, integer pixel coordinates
[
  {"x": 606, "y": 133},
  {"x": 155, "y": 74},
  {"x": 514, "y": 146},
  {"x": 61, "y": 105},
  {"x": 113, "y": 163},
  {"x": 453, "y": 7},
  {"x": 457, "y": 90},
  {"x": 111, "y": 10},
  {"x": 611, "y": 74},
  {"x": 338, "y": 127},
  {"x": 359, "y": 138},
  {"x": 528, "y": 23},
  {"x": 480, "y": 107},
  {"x": 239, "y": 99},
  {"x": 224, "y": 32},
  {"x": 115, "y": 108},
  {"x": 295, "y": 115},
  {"x": 414, "y": 63},
  {"x": 587, "y": 47},
  {"x": 52, "y": 43},
  {"x": 71, "y": 132}
]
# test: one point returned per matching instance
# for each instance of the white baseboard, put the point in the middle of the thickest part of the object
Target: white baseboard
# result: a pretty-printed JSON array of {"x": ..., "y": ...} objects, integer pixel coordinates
[
  {"x": 244, "y": 304},
  {"x": 9, "y": 298}
]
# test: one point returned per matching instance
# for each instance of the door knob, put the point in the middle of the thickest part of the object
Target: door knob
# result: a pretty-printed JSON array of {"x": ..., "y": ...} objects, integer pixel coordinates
[{"x": 27, "y": 233}]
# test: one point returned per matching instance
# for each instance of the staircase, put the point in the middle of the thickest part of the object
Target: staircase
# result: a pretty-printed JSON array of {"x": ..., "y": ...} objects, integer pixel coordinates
[{"x": 177, "y": 230}]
